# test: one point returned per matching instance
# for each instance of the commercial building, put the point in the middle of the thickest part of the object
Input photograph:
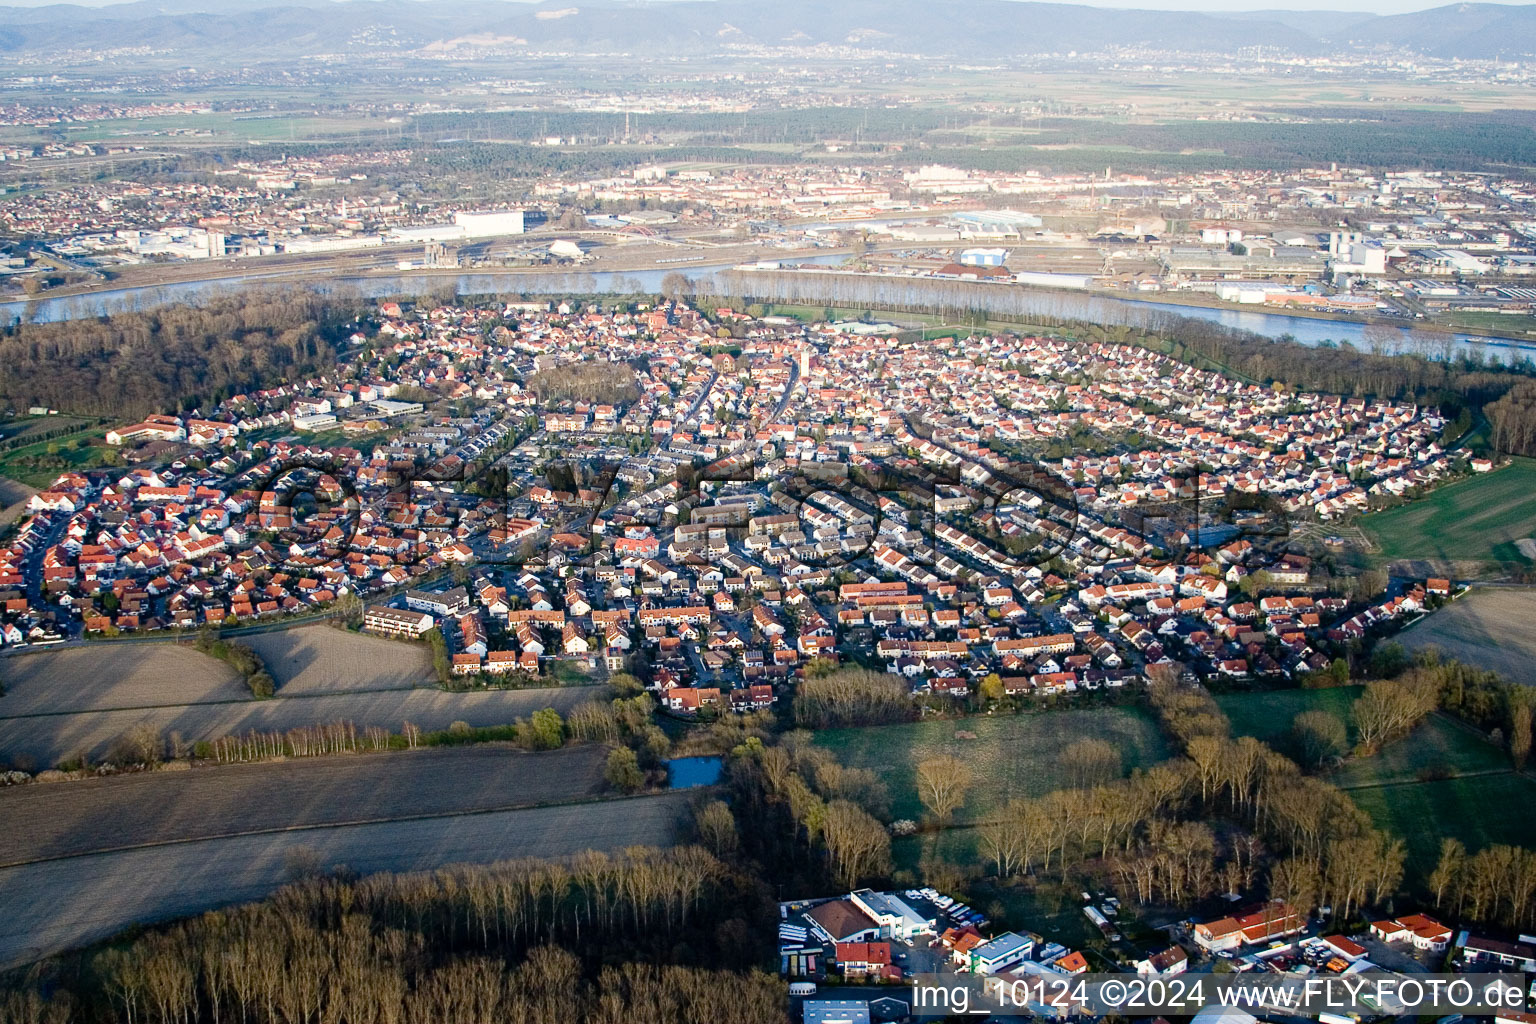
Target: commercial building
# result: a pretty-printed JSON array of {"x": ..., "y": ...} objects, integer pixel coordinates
[
  {"x": 1422, "y": 931},
  {"x": 1271, "y": 921},
  {"x": 1007, "y": 948},
  {"x": 834, "y": 1011},
  {"x": 842, "y": 921},
  {"x": 897, "y": 918},
  {"x": 315, "y": 421},
  {"x": 391, "y": 407}
]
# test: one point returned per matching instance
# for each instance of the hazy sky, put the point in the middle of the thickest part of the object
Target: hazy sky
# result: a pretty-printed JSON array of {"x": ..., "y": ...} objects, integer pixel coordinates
[{"x": 1372, "y": 6}]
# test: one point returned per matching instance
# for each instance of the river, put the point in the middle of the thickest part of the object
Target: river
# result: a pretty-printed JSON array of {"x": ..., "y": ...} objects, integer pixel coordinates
[{"x": 872, "y": 289}]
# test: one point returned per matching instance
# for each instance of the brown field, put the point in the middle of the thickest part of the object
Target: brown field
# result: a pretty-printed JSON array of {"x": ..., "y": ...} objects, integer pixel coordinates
[
  {"x": 66, "y": 819},
  {"x": 12, "y": 491},
  {"x": 320, "y": 659},
  {"x": 1488, "y": 628},
  {"x": 44, "y": 740},
  {"x": 51, "y": 906},
  {"x": 100, "y": 677},
  {"x": 14, "y": 496}
]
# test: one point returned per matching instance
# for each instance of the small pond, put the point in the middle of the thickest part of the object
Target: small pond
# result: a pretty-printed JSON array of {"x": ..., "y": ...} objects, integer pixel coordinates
[{"x": 687, "y": 772}]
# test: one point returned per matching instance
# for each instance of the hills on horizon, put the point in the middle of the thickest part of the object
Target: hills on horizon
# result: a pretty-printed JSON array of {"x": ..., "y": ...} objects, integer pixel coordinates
[{"x": 977, "y": 30}]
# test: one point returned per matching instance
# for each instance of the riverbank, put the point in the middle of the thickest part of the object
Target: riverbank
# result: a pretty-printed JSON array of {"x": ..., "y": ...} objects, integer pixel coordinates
[
  {"x": 1196, "y": 301},
  {"x": 382, "y": 261},
  {"x": 1101, "y": 306},
  {"x": 824, "y": 287}
]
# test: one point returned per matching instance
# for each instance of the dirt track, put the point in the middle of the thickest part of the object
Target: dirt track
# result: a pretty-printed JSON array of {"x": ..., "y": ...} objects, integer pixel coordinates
[
  {"x": 71, "y": 818},
  {"x": 55, "y": 905}
]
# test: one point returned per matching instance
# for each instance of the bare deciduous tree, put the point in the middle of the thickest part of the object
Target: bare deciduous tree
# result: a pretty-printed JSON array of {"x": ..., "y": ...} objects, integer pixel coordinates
[
  {"x": 942, "y": 783},
  {"x": 1391, "y": 707},
  {"x": 1090, "y": 762},
  {"x": 858, "y": 846}
]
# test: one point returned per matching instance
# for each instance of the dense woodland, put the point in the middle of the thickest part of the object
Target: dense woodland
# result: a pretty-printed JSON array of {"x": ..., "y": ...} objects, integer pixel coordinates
[
  {"x": 1512, "y": 419},
  {"x": 853, "y": 697},
  {"x": 1357, "y": 138},
  {"x": 593, "y": 381},
  {"x": 666, "y": 937},
  {"x": 173, "y": 357}
]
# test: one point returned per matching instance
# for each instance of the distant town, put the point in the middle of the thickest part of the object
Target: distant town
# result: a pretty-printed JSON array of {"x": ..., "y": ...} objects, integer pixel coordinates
[{"x": 1401, "y": 248}]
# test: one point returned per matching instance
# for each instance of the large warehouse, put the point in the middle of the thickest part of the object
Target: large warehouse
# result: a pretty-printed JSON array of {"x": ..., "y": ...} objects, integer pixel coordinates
[{"x": 466, "y": 224}]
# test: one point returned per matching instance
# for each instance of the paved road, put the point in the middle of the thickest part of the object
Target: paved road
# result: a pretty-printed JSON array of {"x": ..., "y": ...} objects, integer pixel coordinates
[
  {"x": 698, "y": 403},
  {"x": 789, "y": 391},
  {"x": 45, "y": 822},
  {"x": 56, "y": 905}
]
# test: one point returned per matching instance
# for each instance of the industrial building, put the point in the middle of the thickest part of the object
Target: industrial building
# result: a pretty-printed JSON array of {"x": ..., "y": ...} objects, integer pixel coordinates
[
  {"x": 183, "y": 242},
  {"x": 983, "y": 257},
  {"x": 995, "y": 223},
  {"x": 466, "y": 224},
  {"x": 1279, "y": 263},
  {"x": 330, "y": 243}
]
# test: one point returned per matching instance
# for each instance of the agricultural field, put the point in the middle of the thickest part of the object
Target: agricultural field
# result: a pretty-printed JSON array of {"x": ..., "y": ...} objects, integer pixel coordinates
[
  {"x": 319, "y": 659},
  {"x": 1477, "y": 810},
  {"x": 14, "y": 496},
  {"x": 1012, "y": 755},
  {"x": 1440, "y": 747},
  {"x": 1480, "y": 520},
  {"x": 23, "y": 427},
  {"x": 1487, "y": 628},
  {"x": 61, "y": 904},
  {"x": 38, "y": 464},
  {"x": 94, "y": 815},
  {"x": 1439, "y": 780},
  {"x": 11, "y": 492},
  {"x": 45, "y": 740},
  {"x": 1267, "y": 715},
  {"x": 103, "y": 677}
]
